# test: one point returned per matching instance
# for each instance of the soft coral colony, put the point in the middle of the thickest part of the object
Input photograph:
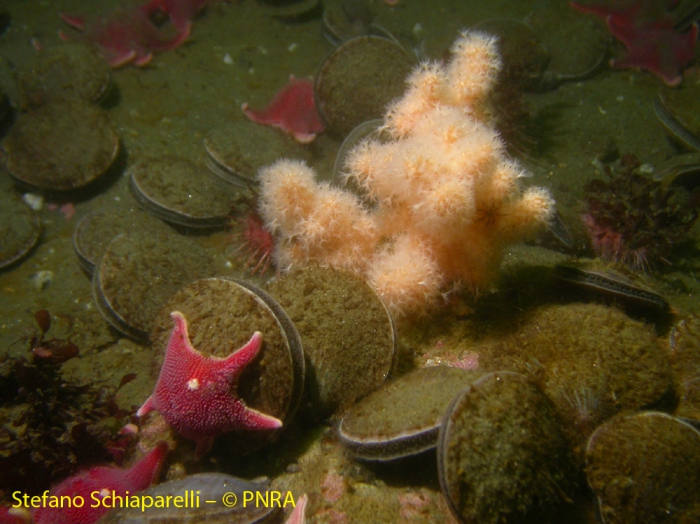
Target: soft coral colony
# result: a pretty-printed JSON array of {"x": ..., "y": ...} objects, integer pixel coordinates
[{"x": 440, "y": 199}]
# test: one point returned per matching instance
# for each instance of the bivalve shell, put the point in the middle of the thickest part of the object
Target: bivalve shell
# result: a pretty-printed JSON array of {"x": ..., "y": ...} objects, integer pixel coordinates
[
  {"x": 348, "y": 335},
  {"x": 61, "y": 146},
  {"x": 502, "y": 457},
  {"x": 236, "y": 151},
  {"x": 358, "y": 79},
  {"x": 645, "y": 468},
  {"x": 68, "y": 71},
  {"x": 403, "y": 417},
  {"x": 177, "y": 191},
  {"x": 20, "y": 229},
  {"x": 139, "y": 272},
  {"x": 204, "y": 497}
]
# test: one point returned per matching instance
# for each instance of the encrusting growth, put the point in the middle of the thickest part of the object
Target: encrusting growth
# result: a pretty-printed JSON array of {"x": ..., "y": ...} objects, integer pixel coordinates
[{"x": 440, "y": 199}]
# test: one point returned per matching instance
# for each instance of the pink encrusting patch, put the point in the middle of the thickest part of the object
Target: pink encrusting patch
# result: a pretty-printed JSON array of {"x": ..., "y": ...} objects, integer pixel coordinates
[{"x": 292, "y": 110}]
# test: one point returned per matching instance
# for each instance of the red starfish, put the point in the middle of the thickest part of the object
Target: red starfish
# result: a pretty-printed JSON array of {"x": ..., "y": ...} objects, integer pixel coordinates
[
  {"x": 193, "y": 392},
  {"x": 292, "y": 110},
  {"x": 126, "y": 36},
  {"x": 100, "y": 482},
  {"x": 646, "y": 27}
]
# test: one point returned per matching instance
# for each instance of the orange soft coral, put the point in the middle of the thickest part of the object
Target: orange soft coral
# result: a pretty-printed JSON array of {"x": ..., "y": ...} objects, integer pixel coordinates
[{"x": 439, "y": 202}]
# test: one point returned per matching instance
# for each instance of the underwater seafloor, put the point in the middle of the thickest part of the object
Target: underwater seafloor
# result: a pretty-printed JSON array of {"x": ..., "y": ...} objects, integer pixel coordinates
[{"x": 239, "y": 53}]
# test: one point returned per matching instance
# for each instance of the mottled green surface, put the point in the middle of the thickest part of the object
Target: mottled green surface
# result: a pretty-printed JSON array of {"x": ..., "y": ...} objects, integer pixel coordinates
[
  {"x": 69, "y": 71},
  {"x": 180, "y": 191},
  {"x": 61, "y": 146},
  {"x": 402, "y": 417},
  {"x": 19, "y": 229},
  {"x": 140, "y": 271},
  {"x": 346, "y": 332},
  {"x": 645, "y": 468},
  {"x": 592, "y": 361},
  {"x": 502, "y": 457}
]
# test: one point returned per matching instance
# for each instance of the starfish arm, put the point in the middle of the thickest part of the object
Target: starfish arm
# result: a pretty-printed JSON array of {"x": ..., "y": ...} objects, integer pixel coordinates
[
  {"x": 142, "y": 61},
  {"x": 254, "y": 419},
  {"x": 147, "y": 407},
  {"x": 304, "y": 138},
  {"x": 119, "y": 59},
  {"x": 259, "y": 117},
  {"x": 298, "y": 516},
  {"x": 663, "y": 53},
  {"x": 238, "y": 360},
  {"x": 145, "y": 471},
  {"x": 76, "y": 22},
  {"x": 179, "y": 346}
]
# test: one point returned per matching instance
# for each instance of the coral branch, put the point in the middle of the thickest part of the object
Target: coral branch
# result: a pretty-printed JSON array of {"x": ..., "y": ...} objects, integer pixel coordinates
[{"x": 440, "y": 200}]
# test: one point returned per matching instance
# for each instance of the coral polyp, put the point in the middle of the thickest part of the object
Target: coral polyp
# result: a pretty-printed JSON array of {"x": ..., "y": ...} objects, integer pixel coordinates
[{"x": 635, "y": 220}]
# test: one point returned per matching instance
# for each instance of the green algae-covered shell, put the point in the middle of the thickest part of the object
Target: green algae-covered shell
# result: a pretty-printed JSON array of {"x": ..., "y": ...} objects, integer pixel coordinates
[
  {"x": 358, "y": 79},
  {"x": 222, "y": 315},
  {"x": 347, "y": 332},
  {"x": 94, "y": 231},
  {"x": 645, "y": 468},
  {"x": 68, "y": 71},
  {"x": 403, "y": 417},
  {"x": 140, "y": 271},
  {"x": 20, "y": 229},
  {"x": 593, "y": 361},
  {"x": 176, "y": 190},
  {"x": 684, "y": 354},
  {"x": 237, "y": 150},
  {"x": 61, "y": 146},
  {"x": 502, "y": 457},
  {"x": 195, "y": 490},
  {"x": 89, "y": 240}
]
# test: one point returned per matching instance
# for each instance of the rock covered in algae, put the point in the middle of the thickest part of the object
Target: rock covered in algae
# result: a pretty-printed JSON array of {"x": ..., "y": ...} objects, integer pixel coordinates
[
  {"x": 502, "y": 456},
  {"x": 347, "y": 334},
  {"x": 592, "y": 361},
  {"x": 645, "y": 468},
  {"x": 403, "y": 417}
]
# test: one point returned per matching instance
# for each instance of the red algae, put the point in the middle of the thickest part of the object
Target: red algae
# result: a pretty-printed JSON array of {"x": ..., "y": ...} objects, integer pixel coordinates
[
  {"x": 636, "y": 220},
  {"x": 257, "y": 244}
]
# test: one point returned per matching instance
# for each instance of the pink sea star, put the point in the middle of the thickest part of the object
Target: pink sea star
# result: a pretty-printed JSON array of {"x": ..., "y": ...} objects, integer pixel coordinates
[
  {"x": 126, "y": 36},
  {"x": 100, "y": 482},
  {"x": 646, "y": 27},
  {"x": 193, "y": 392},
  {"x": 292, "y": 110}
]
